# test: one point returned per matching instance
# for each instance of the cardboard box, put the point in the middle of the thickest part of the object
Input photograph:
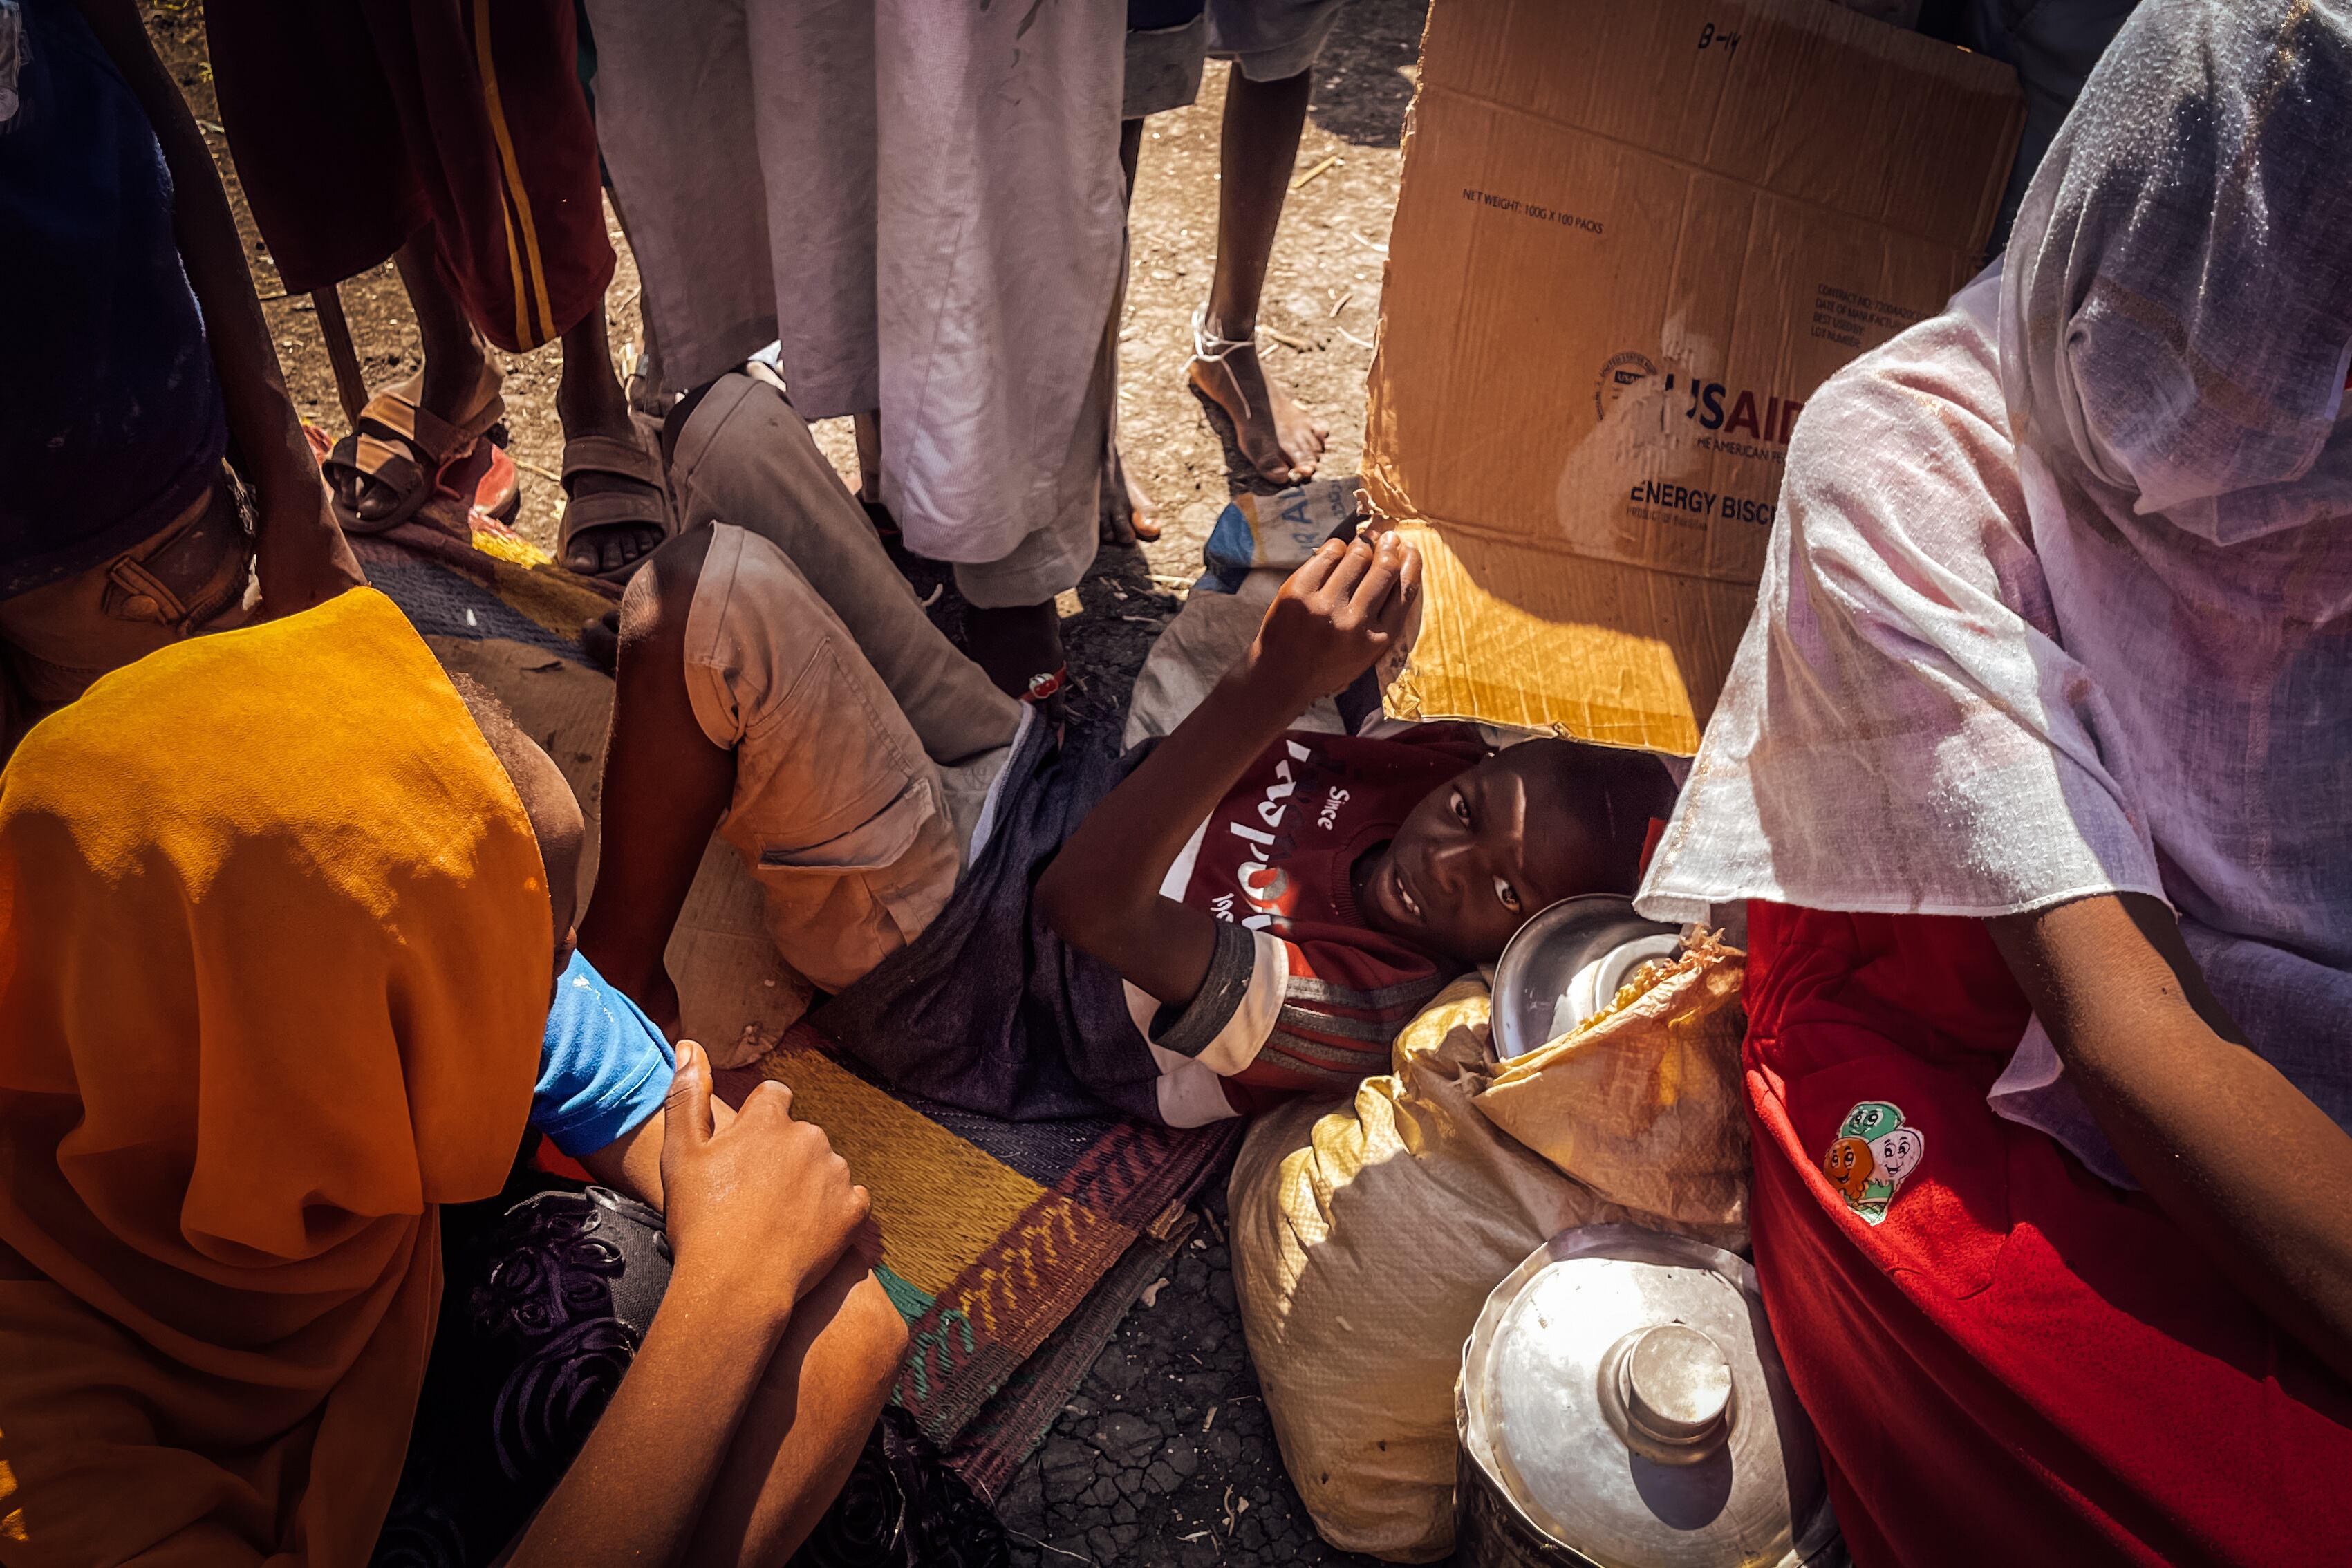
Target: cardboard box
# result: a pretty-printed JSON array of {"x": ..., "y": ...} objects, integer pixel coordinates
[{"x": 1632, "y": 237}]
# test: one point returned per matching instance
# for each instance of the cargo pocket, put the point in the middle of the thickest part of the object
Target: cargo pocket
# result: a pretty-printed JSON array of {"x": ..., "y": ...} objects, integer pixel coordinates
[{"x": 839, "y": 906}]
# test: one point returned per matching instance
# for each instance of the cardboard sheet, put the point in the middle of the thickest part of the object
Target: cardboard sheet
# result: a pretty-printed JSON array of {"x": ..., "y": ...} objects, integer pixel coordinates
[{"x": 1632, "y": 237}]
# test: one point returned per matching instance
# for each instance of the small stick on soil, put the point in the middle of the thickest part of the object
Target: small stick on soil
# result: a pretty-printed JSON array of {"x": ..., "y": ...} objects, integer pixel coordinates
[
  {"x": 1308, "y": 178},
  {"x": 1046, "y": 1545},
  {"x": 1341, "y": 305},
  {"x": 1286, "y": 341}
]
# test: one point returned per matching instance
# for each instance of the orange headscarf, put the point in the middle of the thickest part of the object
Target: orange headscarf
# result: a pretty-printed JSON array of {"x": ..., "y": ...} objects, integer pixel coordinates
[{"x": 274, "y": 968}]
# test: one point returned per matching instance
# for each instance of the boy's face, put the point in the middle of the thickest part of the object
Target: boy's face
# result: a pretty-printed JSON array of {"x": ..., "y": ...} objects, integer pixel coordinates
[{"x": 1479, "y": 855}]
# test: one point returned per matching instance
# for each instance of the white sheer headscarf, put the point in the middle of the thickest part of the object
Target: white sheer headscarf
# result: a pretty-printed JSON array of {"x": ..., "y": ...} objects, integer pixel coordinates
[{"x": 2060, "y": 599}]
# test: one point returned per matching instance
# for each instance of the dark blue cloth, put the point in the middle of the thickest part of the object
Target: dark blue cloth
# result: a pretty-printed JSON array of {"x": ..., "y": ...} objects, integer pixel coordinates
[
  {"x": 989, "y": 1010},
  {"x": 1155, "y": 15},
  {"x": 111, "y": 417},
  {"x": 604, "y": 1069}
]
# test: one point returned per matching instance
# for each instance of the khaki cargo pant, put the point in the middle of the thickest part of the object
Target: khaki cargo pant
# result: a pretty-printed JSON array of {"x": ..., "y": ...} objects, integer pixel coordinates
[{"x": 865, "y": 742}]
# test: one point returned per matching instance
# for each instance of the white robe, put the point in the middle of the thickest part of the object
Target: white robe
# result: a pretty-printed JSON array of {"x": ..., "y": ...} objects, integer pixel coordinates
[
  {"x": 2060, "y": 599},
  {"x": 923, "y": 202}
]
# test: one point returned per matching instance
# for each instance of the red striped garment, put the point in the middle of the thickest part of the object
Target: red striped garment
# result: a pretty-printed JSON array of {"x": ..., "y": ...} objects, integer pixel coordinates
[{"x": 1326, "y": 994}]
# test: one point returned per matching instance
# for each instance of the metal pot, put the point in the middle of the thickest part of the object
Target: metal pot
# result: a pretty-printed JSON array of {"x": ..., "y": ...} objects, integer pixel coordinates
[
  {"x": 1621, "y": 1406},
  {"x": 1566, "y": 964}
]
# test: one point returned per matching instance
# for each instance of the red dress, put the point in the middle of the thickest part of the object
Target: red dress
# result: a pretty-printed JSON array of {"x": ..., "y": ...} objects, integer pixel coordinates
[{"x": 2014, "y": 1362}]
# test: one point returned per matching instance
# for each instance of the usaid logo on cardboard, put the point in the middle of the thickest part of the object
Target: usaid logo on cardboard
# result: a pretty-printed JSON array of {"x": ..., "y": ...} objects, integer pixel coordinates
[
  {"x": 1671, "y": 410},
  {"x": 1764, "y": 418}
]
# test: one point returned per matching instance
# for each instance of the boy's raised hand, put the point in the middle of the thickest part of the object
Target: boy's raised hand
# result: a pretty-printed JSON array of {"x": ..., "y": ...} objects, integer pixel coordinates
[
  {"x": 762, "y": 1206},
  {"x": 1337, "y": 616}
]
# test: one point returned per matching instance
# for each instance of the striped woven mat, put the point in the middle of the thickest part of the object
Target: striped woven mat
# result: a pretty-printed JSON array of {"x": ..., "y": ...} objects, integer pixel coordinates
[{"x": 1002, "y": 1242}]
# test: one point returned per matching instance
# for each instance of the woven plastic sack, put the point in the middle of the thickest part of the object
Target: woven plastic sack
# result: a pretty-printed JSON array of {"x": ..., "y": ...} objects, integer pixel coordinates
[
  {"x": 1642, "y": 1101},
  {"x": 1367, "y": 1238}
]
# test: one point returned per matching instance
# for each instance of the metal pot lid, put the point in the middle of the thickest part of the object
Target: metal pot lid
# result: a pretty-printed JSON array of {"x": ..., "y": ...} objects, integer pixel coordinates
[
  {"x": 1566, "y": 964},
  {"x": 1622, "y": 1389}
]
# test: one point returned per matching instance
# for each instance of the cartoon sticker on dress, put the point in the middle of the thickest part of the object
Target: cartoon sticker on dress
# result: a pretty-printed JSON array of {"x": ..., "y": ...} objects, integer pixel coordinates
[{"x": 1874, "y": 1154}]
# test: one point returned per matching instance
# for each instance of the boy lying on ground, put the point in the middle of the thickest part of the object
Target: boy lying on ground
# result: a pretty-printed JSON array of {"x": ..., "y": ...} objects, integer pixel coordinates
[
  {"x": 1028, "y": 930},
  {"x": 284, "y": 945}
]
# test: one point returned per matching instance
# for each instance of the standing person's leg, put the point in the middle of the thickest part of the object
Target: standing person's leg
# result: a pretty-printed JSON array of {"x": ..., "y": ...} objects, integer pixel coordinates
[
  {"x": 494, "y": 105},
  {"x": 618, "y": 509},
  {"x": 1266, "y": 94},
  {"x": 1124, "y": 500},
  {"x": 1167, "y": 45},
  {"x": 329, "y": 170},
  {"x": 999, "y": 231},
  {"x": 1011, "y": 622},
  {"x": 741, "y": 453},
  {"x": 742, "y": 694}
]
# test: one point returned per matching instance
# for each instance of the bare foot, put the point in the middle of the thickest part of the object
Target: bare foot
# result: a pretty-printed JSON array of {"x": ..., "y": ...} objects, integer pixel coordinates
[
  {"x": 1127, "y": 512},
  {"x": 1283, "y": 441},
  {"x": 1141, "y": 516}
]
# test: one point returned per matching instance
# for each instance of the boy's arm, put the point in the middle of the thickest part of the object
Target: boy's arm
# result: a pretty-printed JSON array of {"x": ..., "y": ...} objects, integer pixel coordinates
[
  {"x": 304, "y": 559},
  {"x": 762, "y": 1209},
  {"x": 631, "y": 1164},
  {"x": 2252, "y": 1170},
  {"x": 1333, "y": 620}
]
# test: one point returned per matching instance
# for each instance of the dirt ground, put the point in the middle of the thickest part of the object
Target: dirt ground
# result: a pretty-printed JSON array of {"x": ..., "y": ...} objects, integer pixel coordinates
[
  {"x": 1320, "y": 304},
  {"x": 1165, "y": 1455}
]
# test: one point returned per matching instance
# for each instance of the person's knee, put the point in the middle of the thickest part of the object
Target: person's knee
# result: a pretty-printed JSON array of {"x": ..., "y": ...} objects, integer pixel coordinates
[{"x": 660, "y": 597}]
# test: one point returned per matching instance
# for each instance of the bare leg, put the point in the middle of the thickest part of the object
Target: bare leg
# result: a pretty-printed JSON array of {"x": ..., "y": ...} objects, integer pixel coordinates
[
  {"x": 453, "y": 363},
  {"x": 806, "y": 1423},
  {"x": 1125, "y": 496},
  {"x": 1018, "y": 646},
  {"x": 1260, "y": 146},
  {"x": 590, "y": 402},
  {"x": 866, "y": 428},
  {"x": 665, "y": 786}
]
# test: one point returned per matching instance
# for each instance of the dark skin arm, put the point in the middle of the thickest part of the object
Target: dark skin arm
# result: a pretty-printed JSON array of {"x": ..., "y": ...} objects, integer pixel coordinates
[
  {"x": 303, "y": 557},
  {"x": 1332, "y": 621},
  {"x": 665, "y": 786},
  {"x": 2174, "y": 1088},
  {"x": 762, "y": 1210}
]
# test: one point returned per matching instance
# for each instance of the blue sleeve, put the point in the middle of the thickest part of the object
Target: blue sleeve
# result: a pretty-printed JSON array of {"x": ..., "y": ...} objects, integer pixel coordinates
[{"x": 604, "y": 1069}]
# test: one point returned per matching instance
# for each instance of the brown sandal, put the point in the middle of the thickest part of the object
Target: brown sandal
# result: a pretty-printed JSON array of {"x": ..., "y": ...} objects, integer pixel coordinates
[
  {"x": 643, "y": 503},
  {"x": 404, "y": 447}
]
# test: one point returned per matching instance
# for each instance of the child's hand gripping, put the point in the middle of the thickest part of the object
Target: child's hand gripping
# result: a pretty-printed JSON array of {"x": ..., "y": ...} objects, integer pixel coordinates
[
  {"x": 1335, "y": 617},
  {"x": 762, "y": 1206}
]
